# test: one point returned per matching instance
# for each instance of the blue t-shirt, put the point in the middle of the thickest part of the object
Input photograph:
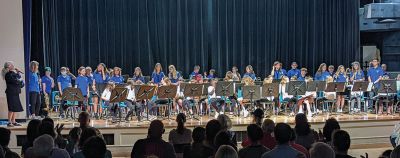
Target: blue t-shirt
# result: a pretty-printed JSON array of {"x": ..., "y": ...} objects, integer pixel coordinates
[
  {"x": 138, "y": 78},
  {"x": 358, "y": 75},
  {"x": 82, "y": 83},
  {"x": 33, "y": 82},
  {"x": 321, "y": 76},
  {"x": 251, "y": 75},
  {"x": 65, "y": 81},
  {"x": 90, "y": 79},
  {"x": 279, "y": 73},
  {"x": 117, "y": 79},
  {"x": 341, "y": 77},
  {"x": 98, "y": 78},
  {"x": 211, "y": 76},
  {"x": 47, "y": 81},
  {"x": 294, "y": 72},
  {"x": 174, "y": 80},
  {"x": 157, "y": 77},
  {"x": 375, "y": 73},
  {"x": 301, "y": 78},
  {"x": 193, "y": 74}
]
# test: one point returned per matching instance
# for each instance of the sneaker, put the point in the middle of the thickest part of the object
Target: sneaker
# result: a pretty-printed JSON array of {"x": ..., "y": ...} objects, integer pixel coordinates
[
  {"x": 245, "y": 113},
  {"x": 16, "y": 124},
  {"x": 10, "y": 125},
  {"x": 216, "y": 114}
]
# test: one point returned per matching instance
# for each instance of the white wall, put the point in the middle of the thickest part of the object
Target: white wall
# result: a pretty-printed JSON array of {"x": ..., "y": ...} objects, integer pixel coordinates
[{"x": 11, "y": 46}]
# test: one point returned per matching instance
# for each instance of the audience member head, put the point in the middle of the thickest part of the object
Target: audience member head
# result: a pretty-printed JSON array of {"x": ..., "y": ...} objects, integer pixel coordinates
[
  {"x": 43, "y": 145},
  {"x": 341, "y": 141},
  {"x": 74, "y": 134},
  {"x": 396, "y": 152},
  {"x": 282, "y": 133},
  {"x": 181, "y": 119},
  {"x": 156, "y": 129},
  {"x": 49, "y": 120},
  {"x": 212, "y": 128},
  {"x": 254, "y": 133},
  {"x": 32, "y": 131},
  {"x": 226, "y": 151},
  {"x": 330, "y": 125},
  {"x": 4, "y": 136},
  {"x": 321, "y": 150},
  {"x": 84, "y": 119},
  {"x": 302, "y": 126},
  {"x": 199, "y": 134},
  {"x": 47, "y": 127},
  {"x": 386, "y": 154},
  {"x": 292, "y": 136},
  {"x": 225, "y": 122},
  {"x": 86, "y": 134},
  {"x": 268, "y": 126},
  {"x": 94, "y": 147},
  {"x": 223, "y": 138},
  {"x": 258, "y": 115}
]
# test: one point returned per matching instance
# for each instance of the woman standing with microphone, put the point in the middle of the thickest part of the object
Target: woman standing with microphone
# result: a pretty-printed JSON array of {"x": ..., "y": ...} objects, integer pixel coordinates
[{"x": 14, "y": 83}]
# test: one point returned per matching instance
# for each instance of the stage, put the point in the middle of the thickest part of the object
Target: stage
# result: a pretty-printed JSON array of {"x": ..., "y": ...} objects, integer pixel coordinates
[{"x": 366, "y": 129}]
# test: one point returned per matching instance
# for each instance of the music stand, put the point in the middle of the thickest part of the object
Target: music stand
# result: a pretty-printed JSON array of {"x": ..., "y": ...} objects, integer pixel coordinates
[
  {"x": 296, "y": 88},
  {"x": 167, "y": 92},
  {"x": 72, "y": 95},
  {"x": 387, "y": 86},
  {"x": 316, "y": 86},
  {"x": 271, "y": 90},
  {"x": 224, "y": 88},
  {"x": 146, "y": 92},
  {"x": 193, "y": 90},
  {"x": 119, "y": 94},
  {"x": 252, "y": 93},
  {"x": 359, "y": 87},
  {"x": 335, "y": 87}
]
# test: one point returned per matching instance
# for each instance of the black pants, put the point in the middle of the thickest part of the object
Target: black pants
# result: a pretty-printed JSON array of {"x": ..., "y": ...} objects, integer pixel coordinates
[{"x": 34, "y": 100}]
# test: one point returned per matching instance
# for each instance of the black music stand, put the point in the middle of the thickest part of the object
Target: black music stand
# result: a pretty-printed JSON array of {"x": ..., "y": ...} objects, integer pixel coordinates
[
  {"x": 359, "y": 87},
  {"x": 146, "y": 92},
  {"x": 225, "y": 89},
  {"x": 118, "y": 94},
  {"x": 72, "y": 95},
  {"x": 335, "y": 87},
  {"x": 271, "y": 90},
  {"x": 297, "y": 88},
  {"x": 252, "y": 93},
  {"x": 193, "y": 90},
  {"x": 167, "y": 92},
  {"x": 387, "y": 87},
  {"x": 316, "y": 86}
]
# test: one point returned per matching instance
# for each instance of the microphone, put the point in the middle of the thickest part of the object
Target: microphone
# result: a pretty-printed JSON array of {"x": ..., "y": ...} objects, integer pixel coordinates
[{"x": 19, "y": 71}]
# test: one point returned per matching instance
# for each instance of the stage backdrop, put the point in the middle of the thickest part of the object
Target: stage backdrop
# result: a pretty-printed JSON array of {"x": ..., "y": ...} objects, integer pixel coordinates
[{"x": 211, "y": 33}]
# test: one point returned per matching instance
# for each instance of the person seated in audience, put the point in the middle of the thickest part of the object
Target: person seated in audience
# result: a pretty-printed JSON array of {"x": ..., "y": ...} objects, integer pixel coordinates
[
  {"x": 283, "y": 133},
  {"x": 396, "y": 152},
  {"x": 386, "y": 154},
  {"x": 44, "y": 146},
  {"x": 73, "y": 139},
  {"x": 268, "y": 131},
  {"x": 84, "y": 120},
  {"x": 341, "y": 143},
  {"x": 223, "y": 138},
  {"x": 305, "y": 136},
  {"x": 196, "y": 150},
  {"x": 86, "y": 134},
  {"x": 95, "y": 147},
  {"x": 226, "y": 151},
  {"x": 32, "y": 132},
  {"x": 255, "y": 149},
  {"x": 153, "y": 144},
  {"x": 330, "y": 125},
  {"x": 5, "y": 135},
  {"x": 226, "y": 125},
  {"x": 258, "y": 116},
  {"x": 212, "y": 128},
  {"x": 180, "y": 136},
  {"x": 298, "y": 147},
  {"x": 321, "y": 150}
]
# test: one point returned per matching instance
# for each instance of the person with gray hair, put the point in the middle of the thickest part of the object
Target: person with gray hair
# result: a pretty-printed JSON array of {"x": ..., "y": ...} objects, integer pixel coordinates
[
  {"x": 226, "y": 124},
  {"x": 14, "y": 83},
  {"x": 321, "y": 150},
  {"x": 226, "y": 151},
  {"x": 43, "y": 146}
]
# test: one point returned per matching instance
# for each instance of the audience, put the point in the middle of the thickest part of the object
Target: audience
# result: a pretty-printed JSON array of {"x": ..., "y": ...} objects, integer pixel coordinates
[
  {"x": 258, "y": 116},
  {"x": 95, "y": 147},
  {"x": 86, "y": 134},
  {"x": 223, "y": 138},
  {"x": 268, "y": 140},
  {"x": 180, "y": 136},
  {"x": 341, "y": 143},
  {"x": 386, "y": 154},
  {"x": 330, "y": 125},
  {"x": 32, "y": 132},
  {"x": 5, "y": 135},
  {"x": 84, "y": 120},
  {"x": 298, "y": 147},
  {"x": 44, "y": 146},
  {"x": 153, "y": 144},
  {"x": 321, "y": 150},
  {"x": 212, "y": 128},
  {"x": 226, "y": 125},
  {"x": 196, "y": 150},
  {"x": 255, "y": 149},
  {"x": 305, "y": 136},
  {"x": 226, "y": 151},
  {"x": 73, "y": 139},
  {"x": 396, "y": 152},
  {"x": 283, "y": 134}
]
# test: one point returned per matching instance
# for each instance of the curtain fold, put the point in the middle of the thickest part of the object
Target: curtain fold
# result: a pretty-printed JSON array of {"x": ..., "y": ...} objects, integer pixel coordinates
[{"x": 211, "y": 33}]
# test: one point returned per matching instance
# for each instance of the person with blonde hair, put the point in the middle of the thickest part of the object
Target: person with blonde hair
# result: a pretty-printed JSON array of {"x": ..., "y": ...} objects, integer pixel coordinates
[
  {"x": 174, "y": 75},
  {"x": 226, "y": 151},
  {"x": 250, "y": 72},
  {"x": 117, "y": 76},
  {"x": 340, "y": 76},
  {"x": 226, "y": 124},
  {"x": 14, "y": 83},
  {"x": 321, "y": 73},
  {"x": 157, "y": 75}
]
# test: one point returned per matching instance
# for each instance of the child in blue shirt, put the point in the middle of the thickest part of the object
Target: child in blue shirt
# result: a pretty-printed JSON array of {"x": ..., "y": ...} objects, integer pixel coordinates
[
  {"x": 321, "y": 73},
  {"x": 331, "y": 70},
  {"x": 47, "y": 85},
  {"x": 356, "y": 74},
  {"x": 174, "y": 75},
  {"x": 82, "y": 84},
  {"x": 294, "y": 71},
  {"x": 195, "y": 72},
  {"x": 100, "y": 79},
  {"x": 250, "y": 72},
  {"x": 277, "y": 71},
  {"x": 63, "y": 81},
  {"x": 34, "y": 89},
  {"x": 340, "y": 76},
  {"x": 138, "y": 76},
  {"x": 116, "y": 77},
  {"x": 157, "y": 75},
  {"x": 303, "y": 73},
  {"x": 211, "y": 74}
]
